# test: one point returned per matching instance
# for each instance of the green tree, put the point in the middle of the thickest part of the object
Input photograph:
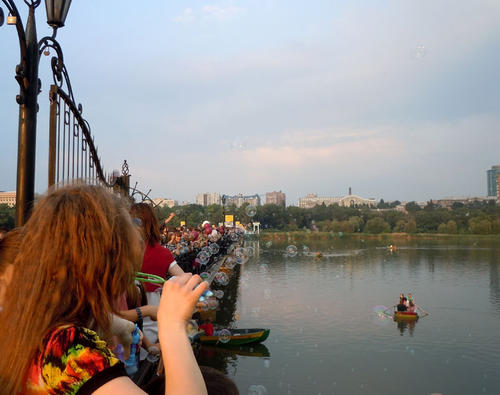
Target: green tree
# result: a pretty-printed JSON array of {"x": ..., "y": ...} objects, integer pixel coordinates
[
  {"x": 377, "y": 225},
  {"x": 411, "y": 226},
  {"x": 7, "y": 217},
  {"x": 412, "y": 207},
  {"x": 480, "y": 226}
]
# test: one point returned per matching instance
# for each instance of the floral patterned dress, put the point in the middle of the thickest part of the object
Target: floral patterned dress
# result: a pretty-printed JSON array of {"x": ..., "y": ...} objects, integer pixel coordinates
[{"x": 75, "y": 361}]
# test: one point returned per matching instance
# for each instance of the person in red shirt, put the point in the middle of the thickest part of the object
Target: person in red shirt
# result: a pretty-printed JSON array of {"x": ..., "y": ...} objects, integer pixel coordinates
[
  {"x": 157, "y": 260},
  {"x": 207, "y": 327}
]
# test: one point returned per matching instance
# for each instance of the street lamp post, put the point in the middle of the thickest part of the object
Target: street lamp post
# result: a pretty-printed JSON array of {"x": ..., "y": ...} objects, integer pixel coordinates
[{"x": 30, "y": 87}]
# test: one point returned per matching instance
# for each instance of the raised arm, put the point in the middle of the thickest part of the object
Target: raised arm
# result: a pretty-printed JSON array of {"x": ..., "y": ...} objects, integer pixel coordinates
[{"x": 182, "y": 374}]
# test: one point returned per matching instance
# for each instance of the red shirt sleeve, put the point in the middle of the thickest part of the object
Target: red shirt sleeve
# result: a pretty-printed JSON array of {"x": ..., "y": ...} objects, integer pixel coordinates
[{"x": 157, "y": 260}]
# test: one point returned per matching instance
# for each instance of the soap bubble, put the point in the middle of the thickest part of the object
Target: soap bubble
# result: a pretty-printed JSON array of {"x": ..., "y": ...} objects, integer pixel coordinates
[
  {"x": 203, "y": 306},
  {"x": 203, "y": 257},
  {"x": 221, "y": 278},
  {"x": 213, "y": 248},
  {"x": 291, "y": 250},
  {"x": 224, "y": 335},
  {"x": 250, "y": 210},
  {"x": 213, "y": 304},
  {"x": 239, "y": 261},
  {"x": 419, "y": 52},
  {"x": 205, "y": 276},
  {"x": 239, "y": 252},
  {"x": 306, "y": 249},
  {"x": 257, "y": 390},
  {"x": 250, "y": 251},
  {"x": 219, "y": 294},
  {"x": 268, "y": 244},
  {"x": 230, "y": 262},
  {"x": 379, "y": 310},
  {"x": 234, "y": 236}
]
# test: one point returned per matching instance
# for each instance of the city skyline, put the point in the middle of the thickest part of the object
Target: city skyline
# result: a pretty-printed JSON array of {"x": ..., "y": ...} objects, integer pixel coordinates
[{"x": 398, "y": 100}]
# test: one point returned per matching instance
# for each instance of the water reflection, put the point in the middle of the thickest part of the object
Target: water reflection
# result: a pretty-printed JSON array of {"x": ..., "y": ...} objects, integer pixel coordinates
[
  {"x": 406, "y": 326},
  {"x": 325, "y": 336}
]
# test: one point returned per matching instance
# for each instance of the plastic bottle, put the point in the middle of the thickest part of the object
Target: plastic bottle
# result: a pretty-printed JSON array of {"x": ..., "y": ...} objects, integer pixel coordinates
[{"x": 131, "y": 362}]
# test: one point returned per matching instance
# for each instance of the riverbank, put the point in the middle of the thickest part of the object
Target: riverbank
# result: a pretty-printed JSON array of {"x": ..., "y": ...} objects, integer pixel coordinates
[{"x": 382, "y": 238}]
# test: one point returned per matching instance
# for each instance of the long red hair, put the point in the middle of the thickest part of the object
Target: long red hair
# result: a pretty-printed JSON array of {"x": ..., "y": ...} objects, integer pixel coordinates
[{"x": 78, "y": 253}]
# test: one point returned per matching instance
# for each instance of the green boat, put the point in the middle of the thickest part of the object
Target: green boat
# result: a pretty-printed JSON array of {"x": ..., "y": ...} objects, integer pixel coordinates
[{"x": 238, "y": 337}]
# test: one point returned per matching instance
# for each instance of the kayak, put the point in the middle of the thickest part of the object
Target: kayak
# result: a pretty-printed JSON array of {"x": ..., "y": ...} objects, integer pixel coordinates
[
  {"x": 238, "y": 337},
  {"x": 405, "y": 316}
]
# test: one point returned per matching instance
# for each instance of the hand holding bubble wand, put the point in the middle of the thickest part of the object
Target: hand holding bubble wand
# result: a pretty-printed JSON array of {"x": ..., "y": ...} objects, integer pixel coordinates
[{"x": 154, "y": 279}]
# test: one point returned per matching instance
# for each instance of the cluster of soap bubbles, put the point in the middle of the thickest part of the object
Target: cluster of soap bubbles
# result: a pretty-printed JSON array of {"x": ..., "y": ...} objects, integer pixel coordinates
[
  {"x": 224, "y": 335},
  {"x": 257, "y": 390},
  {"x": 210, "y": 304}
]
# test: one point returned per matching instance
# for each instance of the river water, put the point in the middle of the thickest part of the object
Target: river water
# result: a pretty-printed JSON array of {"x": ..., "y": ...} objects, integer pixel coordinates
[{"x": 326, "y": 337}]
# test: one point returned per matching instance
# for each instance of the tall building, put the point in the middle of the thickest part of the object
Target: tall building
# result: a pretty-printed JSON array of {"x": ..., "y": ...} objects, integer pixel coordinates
[
  {"x": 239, "y": 200},
  {"x": 206, "y": 199},
  {"x": 278, "y": 198},
  {"x": 491, "y": 176},
  {"x": 498, "y": 188}
]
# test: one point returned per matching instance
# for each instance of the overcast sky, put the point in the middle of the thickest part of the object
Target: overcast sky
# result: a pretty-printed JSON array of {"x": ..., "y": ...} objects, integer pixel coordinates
[{"x": 396, "y": 99}]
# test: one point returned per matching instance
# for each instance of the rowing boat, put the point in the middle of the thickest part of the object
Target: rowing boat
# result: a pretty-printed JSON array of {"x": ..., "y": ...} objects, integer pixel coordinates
[
  {"x": 405, "y": 316},
  {"x": 238, "y": 337}
]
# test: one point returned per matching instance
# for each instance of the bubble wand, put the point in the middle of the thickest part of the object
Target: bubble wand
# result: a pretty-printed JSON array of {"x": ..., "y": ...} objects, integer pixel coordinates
[{"x": 154, "y": 279}]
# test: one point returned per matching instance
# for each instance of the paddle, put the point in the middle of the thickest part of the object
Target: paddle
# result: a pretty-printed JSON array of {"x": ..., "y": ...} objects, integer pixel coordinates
[
  {"x": 422, "y": 310},
  {"x": 385, "y": 311}
]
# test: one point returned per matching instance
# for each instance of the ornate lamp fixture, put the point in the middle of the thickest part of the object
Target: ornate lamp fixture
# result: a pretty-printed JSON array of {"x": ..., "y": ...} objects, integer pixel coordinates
[
  {"x": 30, "y": 87},
  {"x": 57, "y": 10}
]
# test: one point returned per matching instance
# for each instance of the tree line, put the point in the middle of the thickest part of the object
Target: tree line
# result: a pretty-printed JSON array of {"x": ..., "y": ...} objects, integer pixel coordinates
[{"x": 475, "y": 218}]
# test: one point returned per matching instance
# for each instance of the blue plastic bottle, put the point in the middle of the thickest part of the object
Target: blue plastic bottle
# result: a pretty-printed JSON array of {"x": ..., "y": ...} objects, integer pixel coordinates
[{"x": 131, "y": 362}]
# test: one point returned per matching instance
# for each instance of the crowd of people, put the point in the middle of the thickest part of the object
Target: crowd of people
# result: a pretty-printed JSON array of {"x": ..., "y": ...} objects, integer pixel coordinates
[{"x": 70, "y": 299}]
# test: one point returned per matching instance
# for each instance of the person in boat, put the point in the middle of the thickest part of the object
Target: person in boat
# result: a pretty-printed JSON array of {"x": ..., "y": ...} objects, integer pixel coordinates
[
  {"x": 401, "y": 305},
  {"x": 411, "y": 307},
  {"x": 79, "y": 252},
  {"x": 207, "y": 327}
]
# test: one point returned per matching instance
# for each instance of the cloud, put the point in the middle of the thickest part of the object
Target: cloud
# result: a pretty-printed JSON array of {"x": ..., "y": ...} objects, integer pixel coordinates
[
  {"x": 209, "y": 12},
  {"x": 187, "y": 16},
  {"x": 221, "y": 12}
]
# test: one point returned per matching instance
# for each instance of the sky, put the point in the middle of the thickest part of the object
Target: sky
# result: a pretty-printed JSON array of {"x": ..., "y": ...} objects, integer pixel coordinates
[{"x": 398, "y": 99}]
